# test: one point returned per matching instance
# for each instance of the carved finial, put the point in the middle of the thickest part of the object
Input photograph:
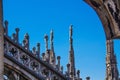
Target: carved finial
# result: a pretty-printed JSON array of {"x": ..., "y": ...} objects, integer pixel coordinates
[
  {"x": 46, "y": 41},
  {"x": 78, "y": 73},
  {"x": 51, "y": 40},
  {"x": 17, "y": 30},
  {"x": 52, "y": 47},
  {"x": 34, "y": 51},
  {"x": 87, "y": 78},
  {"x": 68, "y": 65},
  {"x": 17, "y": 34},
  {"x": 51, "y": 35},
  {"x": 26, "y": 41},
  {"x": 38, "y": 50},
  {"x": 6, "y": 27},
  {"x": 58, "y": 57},
  {"x": 27, "y": 36},
  {"x": 38, "y": 44}
]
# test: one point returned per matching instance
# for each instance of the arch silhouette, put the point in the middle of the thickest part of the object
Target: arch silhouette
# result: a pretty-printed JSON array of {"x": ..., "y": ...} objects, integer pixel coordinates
[{"x": 108, "y": 12}]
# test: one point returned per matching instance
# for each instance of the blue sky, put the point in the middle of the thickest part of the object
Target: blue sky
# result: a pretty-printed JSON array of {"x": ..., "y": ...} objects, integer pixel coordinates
[{"x": 38, "y": 17}]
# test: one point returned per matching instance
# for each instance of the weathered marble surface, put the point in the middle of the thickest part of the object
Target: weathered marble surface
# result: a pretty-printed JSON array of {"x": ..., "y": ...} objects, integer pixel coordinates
[{"x": 109, "y": 13}]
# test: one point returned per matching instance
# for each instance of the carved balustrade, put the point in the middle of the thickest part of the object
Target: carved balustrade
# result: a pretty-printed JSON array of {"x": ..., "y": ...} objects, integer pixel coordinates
[{"x": 26, "y": 58}]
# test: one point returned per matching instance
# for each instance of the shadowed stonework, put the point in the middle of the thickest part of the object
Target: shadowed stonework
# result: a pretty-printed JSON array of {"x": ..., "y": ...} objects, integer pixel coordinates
[{"x": 109, "y": 13}]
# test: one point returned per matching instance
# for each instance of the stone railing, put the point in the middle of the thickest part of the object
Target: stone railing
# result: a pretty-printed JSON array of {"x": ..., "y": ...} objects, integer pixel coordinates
[{"x": 29, "y": 60}]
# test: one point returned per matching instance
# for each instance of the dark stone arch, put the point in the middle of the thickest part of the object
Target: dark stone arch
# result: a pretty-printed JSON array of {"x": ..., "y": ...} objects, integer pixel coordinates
[
  {"x": 109, "y": 14},
  {"x": 8, "y": 74},
  {"x": 11, "y": 72}
]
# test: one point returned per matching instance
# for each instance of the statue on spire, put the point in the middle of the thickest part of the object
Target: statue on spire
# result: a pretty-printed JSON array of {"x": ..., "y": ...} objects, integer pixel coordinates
[
  {"x": 26, "y": 41},
  {"x": 46, "y": 41},
  {"x": 51, "y": 40},
  {"x": 51, "y": 35},
  {"x": 52, "y": 54},
  {"x": 70, "y": 36},
  {"x": 71, "y": 54}
]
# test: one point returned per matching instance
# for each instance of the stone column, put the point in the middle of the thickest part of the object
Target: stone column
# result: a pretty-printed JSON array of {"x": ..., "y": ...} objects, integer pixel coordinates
[
  {"x": 68, "y": 69},
  {"x": 6, "y": 27},
  {"x": 1, "y": 42},
  {"x": 112, "y": 72}
]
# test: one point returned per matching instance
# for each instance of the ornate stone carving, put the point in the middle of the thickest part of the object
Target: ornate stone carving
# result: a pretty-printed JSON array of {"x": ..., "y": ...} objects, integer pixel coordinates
[
  {"x": 26, "y": 41},
  {"x": 109, "y": 13},
  {"x": 45, "y": 66}
]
